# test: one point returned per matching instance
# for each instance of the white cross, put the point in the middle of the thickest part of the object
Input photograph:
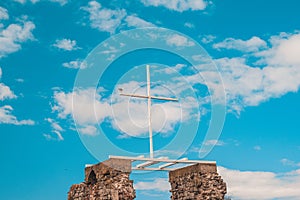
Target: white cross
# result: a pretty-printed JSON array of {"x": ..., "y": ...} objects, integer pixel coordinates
[{"x": 149, "y": 97}]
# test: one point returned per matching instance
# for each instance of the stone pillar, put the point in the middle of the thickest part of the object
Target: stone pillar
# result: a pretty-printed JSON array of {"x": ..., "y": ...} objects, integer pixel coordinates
[
  {"x": 199, "y": 182},
  {"x": 108, "y": 180}
]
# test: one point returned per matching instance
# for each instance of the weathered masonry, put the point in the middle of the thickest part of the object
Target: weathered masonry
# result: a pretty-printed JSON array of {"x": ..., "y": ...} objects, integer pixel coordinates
[
  {"x": 200, "y": 181},
  {"x": 106, "y": 180},
  {"x": 109, "y": 180}
]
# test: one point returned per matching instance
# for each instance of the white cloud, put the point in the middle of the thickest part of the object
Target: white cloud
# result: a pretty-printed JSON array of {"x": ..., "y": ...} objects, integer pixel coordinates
[
  {"x": 254, "y": 44},
  {"x": 12, "y": 36},
  {"x": 125, "y": 114},
  {"x": 20, "y": 80},
  {"x": 75, "y": 64},
  {"x": 104, "y": 19},
  {"x": 84, "y": 112},
  {"x": 249, "y": 84},
  {"x": 57, "y": 137},
  {"x": 61, "y": 2},
  {"x": 66, "y": 44},
  {"x": 134, "y": 21},
  {"x": 20, "y": 1},
  {"x": 285, "y": 50},
  {"x": 6, "y": 117},
  {"x": 208, "y": 39},
  {"x": 257, "y": 148},
  {"x": 56, "y": 130},
  {"x": 88, "y": 130},
  {"x": 177, "y": 5},
  {"x": 3, "y": 13},
  {"x": 249, "y": 185},
  {"x": 5, "y": 92},
  {"x": 130, "y": 114},
  {"x": 179, "y": 41},
  {"x": 158, "y": 184},
  {"x": 54, "y": 125},
  {"x": 174, "y": 69},
  {"x": 111, "y": 20},
  {"x": 208, "y": 143},
  {"x": 214, "y": 143},
  {"x": 189, "y": 25},
  {"x": 288, "y": 162},
  {"x": 133, "y": 120},
  {"x": 48, "y": 136}
]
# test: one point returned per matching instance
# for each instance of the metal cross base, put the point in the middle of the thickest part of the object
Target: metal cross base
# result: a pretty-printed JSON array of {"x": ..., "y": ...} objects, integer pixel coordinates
[{"x": 161, "y": 164}]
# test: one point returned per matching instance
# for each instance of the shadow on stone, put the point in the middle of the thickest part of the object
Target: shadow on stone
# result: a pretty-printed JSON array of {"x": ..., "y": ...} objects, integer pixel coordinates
[{"x": 92, "y": 178}]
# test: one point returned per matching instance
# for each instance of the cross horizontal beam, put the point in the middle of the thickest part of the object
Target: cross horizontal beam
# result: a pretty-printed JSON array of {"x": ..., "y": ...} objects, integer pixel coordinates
[{"x": 151, "y": 97}]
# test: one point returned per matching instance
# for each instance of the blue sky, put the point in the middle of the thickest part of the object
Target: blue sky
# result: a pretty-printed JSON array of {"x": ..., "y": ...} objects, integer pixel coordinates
[{"x": 234, "y": 59}]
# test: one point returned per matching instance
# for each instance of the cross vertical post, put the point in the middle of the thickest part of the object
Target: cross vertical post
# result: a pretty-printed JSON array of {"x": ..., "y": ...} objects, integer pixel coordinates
[
  {"x": 149, "y": 97},
  {"x": 149, "y": 112}
]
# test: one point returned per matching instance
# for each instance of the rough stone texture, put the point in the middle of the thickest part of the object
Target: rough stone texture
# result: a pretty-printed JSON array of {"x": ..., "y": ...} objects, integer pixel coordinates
[
  {"x": 108, "y": 180},
  {"x": 199, "y": 182}
]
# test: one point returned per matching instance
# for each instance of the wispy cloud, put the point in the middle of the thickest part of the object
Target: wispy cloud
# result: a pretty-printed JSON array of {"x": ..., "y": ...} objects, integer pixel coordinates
[
  {"x": 257, "y": 148},
  {"x": 104, "y": 19},
  {"x": 6, "y": 117},
  {"x": 178, "y": 5},
  {"x": 61, "y": 2},
  {"x": 3, "y": 13},
  {"x": 24, "y": 1},
  {"x": 200, "y": 149},
  {"x": 189, "y": 25},
  {"x": 6, "y": 111},
  {"x": 111, "y": 20},
  {"x": 134, "y": 21},
  {"x": 254, "y": 44},
  {"x": 249, "y": 185},
  {"x": 206, "y": 39},
  {"x": 56, "y": 130},
  {"x": 288, "y": 162},
  {"x": 158, "y": 184},
  {"x": 75, "y": 64},
  {"x": 88, "y": 130},
  {"x": 214, "y": 143},
  {"x": 179, "y": 41},
  {"x": 66, "y": 44}
]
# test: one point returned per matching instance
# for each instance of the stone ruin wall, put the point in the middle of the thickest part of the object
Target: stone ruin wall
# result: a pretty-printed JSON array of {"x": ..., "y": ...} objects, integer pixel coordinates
[
  {"x": 104, "y": 181},
  {"x": 200, "y": 181},
  {"x": 109, "y": 180}
]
